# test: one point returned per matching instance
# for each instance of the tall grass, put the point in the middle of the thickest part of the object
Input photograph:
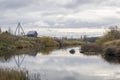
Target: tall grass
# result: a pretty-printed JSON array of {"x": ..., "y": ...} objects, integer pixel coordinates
[
  {"x": 11, "y": 74},
  {"x": 6, "y": 74}
]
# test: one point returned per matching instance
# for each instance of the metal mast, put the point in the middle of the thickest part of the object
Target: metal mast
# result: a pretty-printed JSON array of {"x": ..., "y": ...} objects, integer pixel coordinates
[{"x": 19, "y": 30}]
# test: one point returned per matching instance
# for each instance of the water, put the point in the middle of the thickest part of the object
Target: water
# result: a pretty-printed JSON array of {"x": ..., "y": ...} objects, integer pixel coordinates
[{"x": 60, "y": 64}]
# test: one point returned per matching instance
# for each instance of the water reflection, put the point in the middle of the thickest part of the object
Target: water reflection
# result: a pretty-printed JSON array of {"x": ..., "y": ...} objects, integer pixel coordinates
[
  {"x": 111, "y": 59},
  {"x": 4, "y": 59},
  {"x": 6, "y": 56},
  {"x": 19, "y": 60},
  {"x": 20, "y": 54},
  {"x": 91, "y": 53},
  {"x": 60, "y": 64},
  {"x": 47, "y": 50}
]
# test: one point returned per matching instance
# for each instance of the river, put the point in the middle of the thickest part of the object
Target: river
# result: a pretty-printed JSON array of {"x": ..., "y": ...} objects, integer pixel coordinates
[{"x": 60, "y": 64}]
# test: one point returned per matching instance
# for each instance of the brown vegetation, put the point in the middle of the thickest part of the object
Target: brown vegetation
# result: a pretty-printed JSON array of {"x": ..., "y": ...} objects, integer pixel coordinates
[
  {"x": 91, "y": 47},
  {"x": 6, "y": 74},
  {"x": 109, "y": 44}
]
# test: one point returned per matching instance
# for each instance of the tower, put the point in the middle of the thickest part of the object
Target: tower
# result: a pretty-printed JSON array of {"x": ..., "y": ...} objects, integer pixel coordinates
[{"x": 19, "y": 30}]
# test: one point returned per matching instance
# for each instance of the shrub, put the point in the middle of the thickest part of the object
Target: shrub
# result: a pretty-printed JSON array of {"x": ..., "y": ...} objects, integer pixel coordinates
[
  {"x": 112, "y": 43},
  {"x": 7, "y": 38},
  {"x": 23, "y": 44},
  {"x": 47, "y": 42},
  {"x": 112, "y": 34},
  {"x": 71, "y": 42},
  {"x": 91, "y": 47},
  {"x": 112, "y": 48},
  {"x": 112, "y": 51},
  {"x": 3, "y": 45}
]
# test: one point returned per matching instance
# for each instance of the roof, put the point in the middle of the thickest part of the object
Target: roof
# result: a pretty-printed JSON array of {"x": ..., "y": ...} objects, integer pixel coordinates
[{"x": 31, "y": 32}]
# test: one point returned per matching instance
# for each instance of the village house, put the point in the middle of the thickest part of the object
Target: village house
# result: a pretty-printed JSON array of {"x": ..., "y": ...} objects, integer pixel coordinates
[{"x": 32, "y": 34}]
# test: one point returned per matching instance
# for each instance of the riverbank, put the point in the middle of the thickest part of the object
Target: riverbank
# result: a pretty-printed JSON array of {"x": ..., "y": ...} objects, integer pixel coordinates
[
  {"x": 109, "y": 44},
  {"x": 11, "y": 42}
]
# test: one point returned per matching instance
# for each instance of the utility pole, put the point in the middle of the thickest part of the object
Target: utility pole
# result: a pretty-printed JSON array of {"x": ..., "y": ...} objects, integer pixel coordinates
[{"x": 0, "y": 30}]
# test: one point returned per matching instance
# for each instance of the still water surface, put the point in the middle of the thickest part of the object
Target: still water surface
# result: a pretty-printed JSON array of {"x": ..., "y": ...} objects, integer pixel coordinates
[{"x": 60, "y": 64}]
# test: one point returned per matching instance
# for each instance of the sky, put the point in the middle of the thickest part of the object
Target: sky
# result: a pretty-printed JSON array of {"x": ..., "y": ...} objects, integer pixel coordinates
[{"x": 34, "y": 14}]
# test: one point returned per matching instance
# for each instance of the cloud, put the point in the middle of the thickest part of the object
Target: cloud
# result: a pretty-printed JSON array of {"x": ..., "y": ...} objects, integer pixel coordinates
[{"x": 60, "y": 13}]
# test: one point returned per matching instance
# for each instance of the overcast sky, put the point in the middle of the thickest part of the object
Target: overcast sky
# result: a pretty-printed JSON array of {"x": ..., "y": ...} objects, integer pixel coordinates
[{"x": 60, "y": 13}]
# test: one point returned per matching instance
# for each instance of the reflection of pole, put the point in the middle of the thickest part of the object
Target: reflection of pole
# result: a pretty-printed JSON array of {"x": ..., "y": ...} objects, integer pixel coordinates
[{"x": 18, "y": 61}]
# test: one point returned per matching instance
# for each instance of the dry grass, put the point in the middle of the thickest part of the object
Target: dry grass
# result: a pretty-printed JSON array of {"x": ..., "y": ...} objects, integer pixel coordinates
[
  {"x": 6, "y": 74},
  {"x": 112, "y": 34},
  {"x": 71, "y": 42},
  {"x": 23, "y": 44},
  {"x": 91, "y": 47},
  {"x": 112, "y": 43},
  {"x": 47, "y": 42}
]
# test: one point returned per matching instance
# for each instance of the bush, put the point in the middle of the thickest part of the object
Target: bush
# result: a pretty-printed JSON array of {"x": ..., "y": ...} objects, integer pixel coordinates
[
  {"x": 112, "y": 51},
  {"x": 112, "y": 43},
  {"x": 91, "y": 47},
  {"x": 7, "y": 38},
  {"x": 71, "y": 42},
  {"x": 3, "y": 45},
  {"x": 112, "y": 48},
  {"x": 113, "y": 34},
  {"x": 23, "y": 44},
  {"x": 47, "y": 42}
]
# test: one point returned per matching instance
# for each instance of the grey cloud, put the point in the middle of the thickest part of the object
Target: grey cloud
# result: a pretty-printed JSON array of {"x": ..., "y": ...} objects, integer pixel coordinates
[
  {"x": 112, "y": 3},
  {"x": 14, "y": 4},
  {"x": 55, "y": 13},
  {"x": 76, "y": 3}
]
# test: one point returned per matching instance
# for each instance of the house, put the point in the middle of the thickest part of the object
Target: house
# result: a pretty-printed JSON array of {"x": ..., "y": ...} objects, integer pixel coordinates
[{"x": 32, "y": 34}]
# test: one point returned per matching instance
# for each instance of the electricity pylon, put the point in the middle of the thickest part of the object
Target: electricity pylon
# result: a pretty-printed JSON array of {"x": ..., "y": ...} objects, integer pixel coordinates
[{"x": 19, "y": 30}]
